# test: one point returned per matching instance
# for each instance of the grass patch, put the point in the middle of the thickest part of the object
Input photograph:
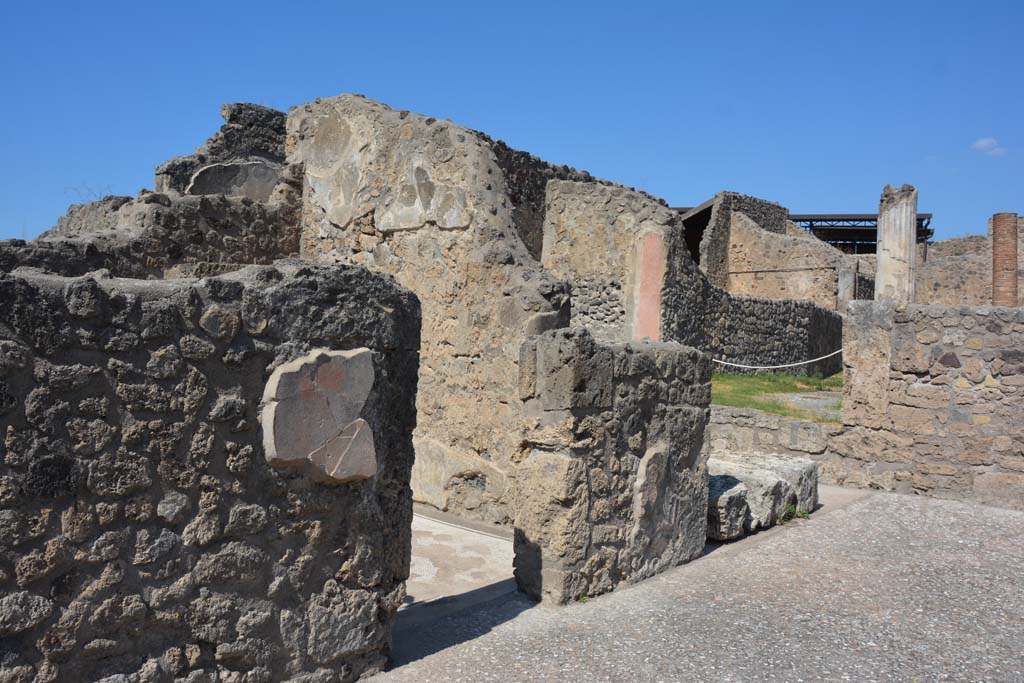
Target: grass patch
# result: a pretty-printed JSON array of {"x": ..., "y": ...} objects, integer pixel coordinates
[{"x": 755, "y": 391}]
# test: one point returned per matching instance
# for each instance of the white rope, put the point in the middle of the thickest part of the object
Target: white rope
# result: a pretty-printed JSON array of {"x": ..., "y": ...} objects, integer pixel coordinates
[{"x": 775, "y": 367}]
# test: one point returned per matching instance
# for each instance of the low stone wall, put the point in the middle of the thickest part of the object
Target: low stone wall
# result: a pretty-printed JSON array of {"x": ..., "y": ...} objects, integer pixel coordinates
[
  {"x": 742, "y": 430},
  {"x": 612, "y": 485},
  {"x": 143, "y": 532},
  {"x": 933, "y": 403}
]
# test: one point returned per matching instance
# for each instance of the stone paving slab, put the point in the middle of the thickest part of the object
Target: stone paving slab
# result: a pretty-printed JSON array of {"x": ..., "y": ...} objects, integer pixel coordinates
[{"x": 881, "y": 587}]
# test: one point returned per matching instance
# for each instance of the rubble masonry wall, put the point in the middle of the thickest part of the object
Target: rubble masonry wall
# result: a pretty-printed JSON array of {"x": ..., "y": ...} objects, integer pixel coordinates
[
  {"x": 594, "y": 238},
  {"x": 141, "y": 528},
  {"x": 744, "y": 330},
  {"x": 426, "y": 201},
  {"x": 794, "y": 266},
  {"x": 613, "y": 478},
  {"x": 933, "y": 400}
]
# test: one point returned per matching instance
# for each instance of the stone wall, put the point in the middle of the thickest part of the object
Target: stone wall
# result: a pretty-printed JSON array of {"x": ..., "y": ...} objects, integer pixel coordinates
[
  {"x": 715, "y": 240},
  {"x": 795, "y": 265},
  {"x": 613, "y": 484},
  {"x": 592, "y": 239},
  {"x": 744, "y": 330},
  {"x": 428, "y": 201},
  {"x": 244, "y": 158},
  {"x": 934, "y": 400},
  {"x": 957, "y": 271},
  {"x": 954, "y": 280},
  {"x": 607, "y": 241},
  {"x": 932, "y": 404},
  {"x": 742, "y": 431},
  {"x": 158, "y": 235},
  {"x": 143, "y": 533}
]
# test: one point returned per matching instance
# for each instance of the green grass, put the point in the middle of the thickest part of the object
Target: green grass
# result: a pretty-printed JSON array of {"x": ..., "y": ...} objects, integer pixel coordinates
[{"x": 754, "y": 391}]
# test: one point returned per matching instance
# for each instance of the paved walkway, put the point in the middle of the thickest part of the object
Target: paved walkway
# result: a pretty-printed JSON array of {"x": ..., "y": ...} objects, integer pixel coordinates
[{"x": 878, "y": 587}]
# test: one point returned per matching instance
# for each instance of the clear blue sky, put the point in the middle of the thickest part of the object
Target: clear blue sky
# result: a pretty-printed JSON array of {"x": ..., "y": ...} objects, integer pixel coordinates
[{"x": 815, "y": 105}]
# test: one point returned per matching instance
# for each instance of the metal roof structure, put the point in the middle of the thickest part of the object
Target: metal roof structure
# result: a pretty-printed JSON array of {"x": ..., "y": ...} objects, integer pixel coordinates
[{"x": 853, "y": 232}]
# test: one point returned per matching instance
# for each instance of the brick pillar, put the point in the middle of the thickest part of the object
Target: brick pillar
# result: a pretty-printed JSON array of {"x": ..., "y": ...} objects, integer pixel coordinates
[
  {"x": 897, "y": 245},
  {"x": 1004, "y": 259}
]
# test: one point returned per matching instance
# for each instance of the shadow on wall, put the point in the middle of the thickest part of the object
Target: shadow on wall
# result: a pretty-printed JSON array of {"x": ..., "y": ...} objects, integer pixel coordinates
[{"x": 693, "y": 230}]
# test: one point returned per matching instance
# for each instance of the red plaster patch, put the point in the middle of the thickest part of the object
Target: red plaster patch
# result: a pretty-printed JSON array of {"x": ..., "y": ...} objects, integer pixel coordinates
[{"x": 649, "y": 278}]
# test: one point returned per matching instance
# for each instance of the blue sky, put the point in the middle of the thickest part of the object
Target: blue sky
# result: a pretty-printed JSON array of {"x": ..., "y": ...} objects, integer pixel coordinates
[{"x": 815, "y": 105}]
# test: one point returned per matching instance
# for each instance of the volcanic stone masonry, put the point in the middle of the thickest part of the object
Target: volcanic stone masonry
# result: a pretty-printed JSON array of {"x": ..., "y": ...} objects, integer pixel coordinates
[
  {"x": 933, "y": 402},
  {"x": 497, "y": 245},
  {"x": 142, "y": 531},
  {"x": 441, "y": 208},
  {"x": 613, "y": 454}
]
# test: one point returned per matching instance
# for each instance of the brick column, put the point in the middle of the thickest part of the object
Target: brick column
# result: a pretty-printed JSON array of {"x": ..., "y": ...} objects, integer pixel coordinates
[
  {"x": 1004, "y": 259},
  {"x": 897, "y": 245}
]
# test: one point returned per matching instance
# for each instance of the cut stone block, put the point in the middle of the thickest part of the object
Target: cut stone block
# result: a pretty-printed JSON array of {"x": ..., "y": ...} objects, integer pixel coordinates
[
  {"x": 727, "y": 508},
  {"x": 757, "y": 489},
  {"x": 311, "y": 415}
]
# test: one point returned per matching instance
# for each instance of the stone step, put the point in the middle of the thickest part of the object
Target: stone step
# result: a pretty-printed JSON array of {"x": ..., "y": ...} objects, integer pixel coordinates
[{"x": 749, "y": 492}]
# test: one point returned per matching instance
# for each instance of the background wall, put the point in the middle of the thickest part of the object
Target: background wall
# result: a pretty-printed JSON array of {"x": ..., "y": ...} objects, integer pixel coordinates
[
  {"x": 795, "y": 265},
  {"x": 744, "y": 330}
]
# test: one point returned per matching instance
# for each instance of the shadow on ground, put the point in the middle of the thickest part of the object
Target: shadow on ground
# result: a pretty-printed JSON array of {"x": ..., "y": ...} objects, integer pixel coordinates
[{"x": 423, "y": 628}]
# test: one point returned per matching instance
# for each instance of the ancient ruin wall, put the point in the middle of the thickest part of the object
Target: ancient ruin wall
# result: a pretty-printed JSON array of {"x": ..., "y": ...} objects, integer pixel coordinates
[
  {"x": 786, "y": 266},
  {"x": 593, "y": 237},
  {"x": 157, "y": 235},
  {"x": 934, "y": 400},
  {"x": 598, "y": 238},
  {"x": 744, "y": 330},
  {"x": 714, "y": 244},
  {"x": 742, "y": 430},
  {"x": 954, "y": 280},
  {"x": 613, "y": 481},
  {"x": 142, "y": 531},
  {"x": 247, "y": 153},
  {"x": 428, "y": 202},
  {"x": 958, "y": 271}
]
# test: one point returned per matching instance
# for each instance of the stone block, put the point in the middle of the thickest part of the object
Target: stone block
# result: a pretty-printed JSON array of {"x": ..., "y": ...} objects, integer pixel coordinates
[
  {"x": 773, "y": 486},
  {"x": 727, "y": 508},
  {"x": 311, "y": 415}
]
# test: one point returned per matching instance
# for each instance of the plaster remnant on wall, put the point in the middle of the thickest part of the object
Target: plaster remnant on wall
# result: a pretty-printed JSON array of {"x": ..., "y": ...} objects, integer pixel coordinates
[
  {"x": 650, "y": 275},
  {"x": 311, "y": 415},
  {"x": 253, "y": 179}
]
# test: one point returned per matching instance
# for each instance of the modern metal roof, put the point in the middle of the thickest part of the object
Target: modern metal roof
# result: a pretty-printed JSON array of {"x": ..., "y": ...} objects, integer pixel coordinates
[{"x": 853, "y": 227}]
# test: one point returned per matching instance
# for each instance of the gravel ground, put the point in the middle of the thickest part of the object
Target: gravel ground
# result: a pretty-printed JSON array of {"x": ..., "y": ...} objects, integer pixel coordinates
[
  {"x": 823, "y": 403},
  {"x": 885, "y": 588}
]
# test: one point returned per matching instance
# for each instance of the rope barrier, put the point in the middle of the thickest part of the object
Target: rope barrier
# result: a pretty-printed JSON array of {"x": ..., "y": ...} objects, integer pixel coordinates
[{"x": 775, "y": 367}]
